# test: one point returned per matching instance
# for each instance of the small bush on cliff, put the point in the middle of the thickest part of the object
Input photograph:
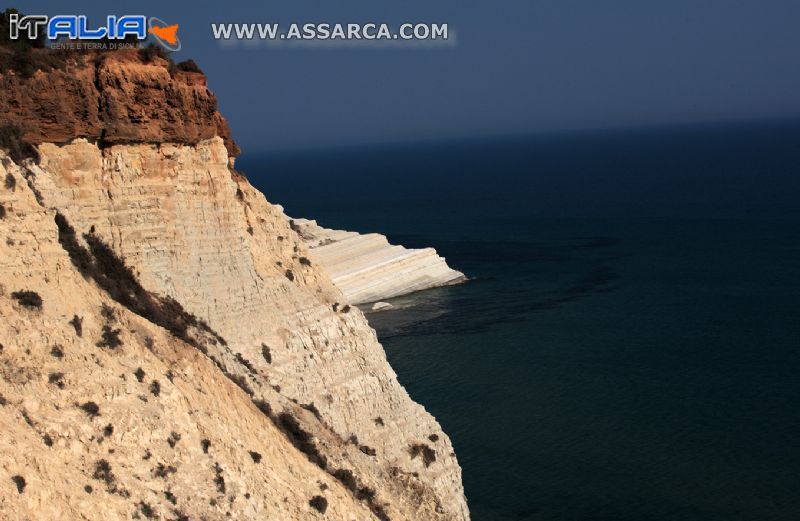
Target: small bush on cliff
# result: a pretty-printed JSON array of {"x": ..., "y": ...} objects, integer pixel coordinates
[
  {"x": 2, "y": 212},
  {"x": 28, "y": 299},
  {"x": 56, "y": 379},
  {"x": 77, "y": 323},
  {"x": 102, "y": 472},
  {"x": 219, "y": 479},
  {"x": 110, "y": 338},
  {"x": 428, "y": 454},
  {"x": 319, "y": 503},
  {"x": 189, "y": 66},
  {"x": 266, "y": 353},
  {"x": 173, "y": 439},
  {"x": 146, "y": 510},
  {"x": 18, "y": 149},
  {"x": 301, "y": 439},
  {"x": 255, "y": 456},
  {"x": 19, "y": 481},
  {"x": 91, "y": 409}
]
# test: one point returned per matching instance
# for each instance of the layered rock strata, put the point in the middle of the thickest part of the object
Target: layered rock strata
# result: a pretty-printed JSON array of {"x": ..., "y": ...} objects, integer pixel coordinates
[
  {"x": 169, "y": 348},
  {"x": 366, "y": 268}
]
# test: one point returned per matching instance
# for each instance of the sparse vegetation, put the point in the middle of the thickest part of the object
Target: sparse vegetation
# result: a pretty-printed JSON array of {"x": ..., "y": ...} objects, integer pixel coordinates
[
  {"x": 219, "y": 480},
  {"x": 56, "y": 379},
  {"x": 147, "y": 510},
  {"x": 77, "y": 323},
  {"x": 28, "y": 299},
  {"x": 109, "y": 338},
  {"x": 139, "y": 374},
  {"x": 108, "y": 313},
  {"x": 346, "y": 477},
  {"x": 255, "y": 456},
  {"x": 205, "y": 444},
  {"x": 245, "y": 362},
  {"x": 264, "y": 407},
  {"x": 102, "y": 472},
  {"x": 180, "y": 516},
  {"x": 155, "y": 388},
  {"x": 47, "y": 439},
  {"x": 91, "y": 409},
  {"x": 428, "y": 454},
  {"x": 379, "y": 421},
  {"x": 162, "y": 471},
  {"x": 11, "y": 139},
  {"x": 3, "y": 213},
  {"x": 172, "y": 498},
  {"x": 266, "y": 353},
  {"x": 241, "y": 382},
  {"x": 346, "y": 308},
  {"x": 19, "y": 481},
  {"x": 319, "y": 503},
  {"x": 304, "y": 261},
  {"x": 88, "y": 489},
  {"x": 11, "y": 182},
  {"x": 189, "y": 66},
  {"x": 301, "y": 439},
  {"x": 289, "y": 275},
  {"x": 57, "y": 351},
  {"x": 310, "y": 407},
  {"x": 173, "y": 439},
  {"x": 434, "y": 437},
  {"x": 100, "y": 263},
  {"x": 108, "y": 430},
  {"x": 366, "y": 449}
]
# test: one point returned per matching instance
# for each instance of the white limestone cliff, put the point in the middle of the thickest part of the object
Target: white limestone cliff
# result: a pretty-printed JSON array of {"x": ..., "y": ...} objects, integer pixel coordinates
[
  {"x": 366, "y": 268},
  {"x": 284, "y": 368}
]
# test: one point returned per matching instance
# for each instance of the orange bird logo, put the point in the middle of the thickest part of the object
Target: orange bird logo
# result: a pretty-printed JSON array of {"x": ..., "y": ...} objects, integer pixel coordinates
[{"x": 169, "y": 33}]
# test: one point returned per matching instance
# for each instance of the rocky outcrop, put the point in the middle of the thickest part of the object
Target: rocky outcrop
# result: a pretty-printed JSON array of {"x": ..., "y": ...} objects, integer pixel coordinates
[
  {"x": 289, "y": 368},
  {"x": 366, "y": 268},
  {"x": 110, "y": 97}
]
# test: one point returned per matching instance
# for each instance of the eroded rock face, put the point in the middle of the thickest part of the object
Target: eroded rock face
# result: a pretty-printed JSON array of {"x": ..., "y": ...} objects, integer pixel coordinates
[
  {"x": 367, "y": 268},
  {"x": 166, "y": 347},
  {"x": 193, "y": 231},
  {"x": 112, "y": 97}
]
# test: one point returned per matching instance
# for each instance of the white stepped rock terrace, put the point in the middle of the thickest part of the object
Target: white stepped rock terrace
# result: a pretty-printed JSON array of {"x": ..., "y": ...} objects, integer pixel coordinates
[{"x": 367, "y": 268}]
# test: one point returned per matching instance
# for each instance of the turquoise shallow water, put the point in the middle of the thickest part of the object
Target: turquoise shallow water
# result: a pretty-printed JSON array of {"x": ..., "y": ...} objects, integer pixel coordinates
[{"x": 629, "y": 345}]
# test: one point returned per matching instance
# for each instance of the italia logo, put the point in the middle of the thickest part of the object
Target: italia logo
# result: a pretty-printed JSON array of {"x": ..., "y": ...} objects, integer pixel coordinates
[{"x": 76, "y": 27}]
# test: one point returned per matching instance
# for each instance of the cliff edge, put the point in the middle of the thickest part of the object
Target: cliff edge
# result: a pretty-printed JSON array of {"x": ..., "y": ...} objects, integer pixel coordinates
[{"x": 169, "y": 348}]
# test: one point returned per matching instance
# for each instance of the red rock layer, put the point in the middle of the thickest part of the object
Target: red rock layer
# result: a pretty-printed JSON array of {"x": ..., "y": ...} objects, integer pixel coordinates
[{"x": 112, "y": 97}]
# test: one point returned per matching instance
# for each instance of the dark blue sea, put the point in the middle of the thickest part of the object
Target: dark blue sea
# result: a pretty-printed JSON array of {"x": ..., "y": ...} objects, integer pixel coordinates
[{"x": 628, "y": 347}]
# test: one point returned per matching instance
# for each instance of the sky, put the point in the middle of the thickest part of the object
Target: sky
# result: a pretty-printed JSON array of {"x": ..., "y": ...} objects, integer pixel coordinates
[{"x": 514, "y": 67}]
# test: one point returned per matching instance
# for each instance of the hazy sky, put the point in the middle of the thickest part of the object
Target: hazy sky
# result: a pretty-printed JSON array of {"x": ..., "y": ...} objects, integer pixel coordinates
[{"x": 516, "y": 66}]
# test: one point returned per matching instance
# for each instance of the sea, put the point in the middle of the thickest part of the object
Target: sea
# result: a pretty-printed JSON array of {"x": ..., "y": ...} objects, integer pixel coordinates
[{"x": 627, "y": 346}]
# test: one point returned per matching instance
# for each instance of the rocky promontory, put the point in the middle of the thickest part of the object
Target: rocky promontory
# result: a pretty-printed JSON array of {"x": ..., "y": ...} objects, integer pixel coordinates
[
  {"x": 167, "y": 349},
  {"x": 366, "y": 268}
]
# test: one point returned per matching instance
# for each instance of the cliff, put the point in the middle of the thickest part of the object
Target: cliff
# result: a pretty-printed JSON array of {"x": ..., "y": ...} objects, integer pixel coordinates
[
  {"x": 366, "y": 268},
  {"x": 110, "y": 97},
  {"x": 170, "y": 347}
]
